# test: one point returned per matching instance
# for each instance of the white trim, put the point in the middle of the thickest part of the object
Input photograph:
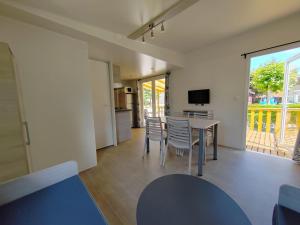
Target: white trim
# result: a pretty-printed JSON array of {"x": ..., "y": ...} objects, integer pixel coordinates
[
  {"x": 112, "y": 101},
  {"x": 36, "y": 181},
  {"x": 22, "y": 111},
  {"x": 245, "y": 108},
  {"x": 152, "y": 79},
  {"x": 112, "y": 97},
  {"x": 153, "y": 97}
]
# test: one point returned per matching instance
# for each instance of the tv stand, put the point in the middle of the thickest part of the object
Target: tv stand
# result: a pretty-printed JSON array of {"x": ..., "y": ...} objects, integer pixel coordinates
[{"x": 205, "y": 113}]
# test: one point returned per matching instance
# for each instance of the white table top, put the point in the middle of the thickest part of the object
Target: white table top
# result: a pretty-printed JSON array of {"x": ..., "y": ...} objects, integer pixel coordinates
[{"x": 196, "y": 123}]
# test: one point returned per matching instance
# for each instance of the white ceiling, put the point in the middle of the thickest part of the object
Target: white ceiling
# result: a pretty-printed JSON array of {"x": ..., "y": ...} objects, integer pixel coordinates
[
  {"x": 136, "y": 59},
  {"x": 211, "y": 20},
  {"x": 119, "y": 16},
  {"x": 204, "y": 22}
]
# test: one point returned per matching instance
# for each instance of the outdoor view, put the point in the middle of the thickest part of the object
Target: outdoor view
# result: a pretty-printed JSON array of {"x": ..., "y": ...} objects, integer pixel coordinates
[
  {"x": 158, "y": 86},
  {"x": 274, "y": 103}
]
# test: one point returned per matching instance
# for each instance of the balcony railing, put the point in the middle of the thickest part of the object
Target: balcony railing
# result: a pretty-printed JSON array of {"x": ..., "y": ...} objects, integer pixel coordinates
[{"x": 264, "y": 129}]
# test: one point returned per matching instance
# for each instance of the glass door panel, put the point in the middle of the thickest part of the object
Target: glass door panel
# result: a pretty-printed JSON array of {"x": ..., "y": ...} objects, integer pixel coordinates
[
  {"x": 160, "y": 97},
  {"x": 291, "y": 102},
  {"x": 147, "y": 98}
]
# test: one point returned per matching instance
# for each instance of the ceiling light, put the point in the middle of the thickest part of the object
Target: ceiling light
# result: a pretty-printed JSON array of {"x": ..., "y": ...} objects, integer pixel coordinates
[
  {"x": 152, "y": 33},
  {"x": 162, "y": 28}
]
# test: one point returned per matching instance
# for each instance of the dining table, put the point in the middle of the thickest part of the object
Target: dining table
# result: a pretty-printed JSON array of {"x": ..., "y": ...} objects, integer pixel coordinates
[
  {"x": 202, "y": 125},
  {"x": 180, "y": 199}
]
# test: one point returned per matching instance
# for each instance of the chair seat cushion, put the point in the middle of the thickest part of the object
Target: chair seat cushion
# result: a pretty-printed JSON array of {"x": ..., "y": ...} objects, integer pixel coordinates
[
  {"x": 285, "y": 216},
  {"x": 65, "y": 203}
]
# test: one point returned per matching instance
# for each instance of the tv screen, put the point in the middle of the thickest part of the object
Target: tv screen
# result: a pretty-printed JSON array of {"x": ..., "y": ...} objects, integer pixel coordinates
[{"x": 198, "y": 96}]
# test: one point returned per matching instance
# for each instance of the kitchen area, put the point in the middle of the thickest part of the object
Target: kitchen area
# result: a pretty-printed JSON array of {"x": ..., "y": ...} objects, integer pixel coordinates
[{"x": 126, "y": 106}]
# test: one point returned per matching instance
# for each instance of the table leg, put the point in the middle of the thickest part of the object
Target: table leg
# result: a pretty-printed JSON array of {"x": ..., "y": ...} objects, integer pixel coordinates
[
  {"x": 148, "y": 145},
  {"x": 215, "y": 141},
  {"x": 201, "y": 151}
]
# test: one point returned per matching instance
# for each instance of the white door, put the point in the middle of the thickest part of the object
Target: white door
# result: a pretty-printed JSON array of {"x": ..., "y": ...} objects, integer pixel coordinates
[
  {"x": 99, "y": 78},
  {"x": 13, "y": 156}
]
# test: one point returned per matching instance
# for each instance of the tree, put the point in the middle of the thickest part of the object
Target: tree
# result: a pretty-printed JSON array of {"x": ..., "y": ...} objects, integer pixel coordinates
[
  {"x": 270, "y": 78},
  {"x": 147, "y": 97}
]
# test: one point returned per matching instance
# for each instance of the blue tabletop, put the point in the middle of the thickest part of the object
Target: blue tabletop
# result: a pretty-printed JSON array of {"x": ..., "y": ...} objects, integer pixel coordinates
[
  {"x": 186, "y": 200},
  {"x": 64, "y": 203}
]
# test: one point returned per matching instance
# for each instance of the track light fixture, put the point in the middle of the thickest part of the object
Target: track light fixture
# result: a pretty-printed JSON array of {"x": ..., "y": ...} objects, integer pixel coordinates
[
  {"x": 162, "y": 28},
  {"x": 152, "y": 33},
  {"x": 151, "y": 28}
]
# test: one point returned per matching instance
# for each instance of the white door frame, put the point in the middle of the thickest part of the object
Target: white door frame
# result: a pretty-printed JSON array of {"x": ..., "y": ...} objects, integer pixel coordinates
[
  {"x": 112, "y": 99},
  {"x": 25, "y": 130},
  {"x": 141, "y": 94},
  {"x": 247, "y": 81},
  {"x": 112, "y": 102}
]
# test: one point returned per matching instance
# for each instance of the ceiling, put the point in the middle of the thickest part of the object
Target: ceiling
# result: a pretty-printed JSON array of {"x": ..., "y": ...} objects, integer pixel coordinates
[
  {"x": 208, "y": 21},
  {"x": 205, "y": 22},
  {"x": 119, "y": 16}
]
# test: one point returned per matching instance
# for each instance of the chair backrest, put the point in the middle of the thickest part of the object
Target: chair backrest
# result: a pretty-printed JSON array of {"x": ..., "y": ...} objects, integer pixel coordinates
[
  {"x": 154, "y": 129},
  {"x": 203, "y": 115},
  {"x": 178, "y": 114},
  {"x": 179, "y": 133},
  {"x": 289, "y": 197},
  {"x": 146, "y": 114}
]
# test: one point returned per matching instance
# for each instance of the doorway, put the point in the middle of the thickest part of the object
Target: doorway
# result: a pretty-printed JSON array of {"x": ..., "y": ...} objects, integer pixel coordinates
[
  {"x": 153, "y": 96},
  {"x": 273, "y": 113},
  {"x": 100, "y": 81}
]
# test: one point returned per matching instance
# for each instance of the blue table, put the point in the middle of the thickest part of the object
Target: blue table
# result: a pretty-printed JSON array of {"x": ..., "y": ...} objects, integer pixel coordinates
[
  {"x": 64, "y": 203},
  {"x": 187, "y": 200}
]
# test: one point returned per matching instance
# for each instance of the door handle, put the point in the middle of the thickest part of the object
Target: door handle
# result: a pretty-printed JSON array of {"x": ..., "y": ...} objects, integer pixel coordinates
[{"x": 27, "y": 142}]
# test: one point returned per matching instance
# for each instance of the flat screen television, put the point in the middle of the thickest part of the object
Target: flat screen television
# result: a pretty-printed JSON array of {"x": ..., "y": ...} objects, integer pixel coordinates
[{"x": 198, "y": 96}]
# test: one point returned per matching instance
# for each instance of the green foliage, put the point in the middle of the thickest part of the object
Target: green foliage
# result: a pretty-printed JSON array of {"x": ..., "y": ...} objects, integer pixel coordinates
[
  {"x": 270, "y": 77},
  {"x": 147, "y": 95}
]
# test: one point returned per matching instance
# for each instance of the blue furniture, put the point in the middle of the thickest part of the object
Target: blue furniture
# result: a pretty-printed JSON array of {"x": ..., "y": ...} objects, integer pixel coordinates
[
  {"x": 64, "y": 203},
  {"x": 186, "y": 200},
  {"x": 287, "y": 210}
]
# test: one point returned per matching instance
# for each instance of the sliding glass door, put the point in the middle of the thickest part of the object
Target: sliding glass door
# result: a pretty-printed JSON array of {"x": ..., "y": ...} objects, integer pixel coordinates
[
  {"x": 153, "y": 96},
  {"x": 147, "y": 97},
  {"x": 159, "y": 97}
]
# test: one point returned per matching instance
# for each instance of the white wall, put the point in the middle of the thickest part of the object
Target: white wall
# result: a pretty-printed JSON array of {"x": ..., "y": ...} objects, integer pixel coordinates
[
  {"x": 221, "y": 68},
  {"x": 57, "y": 97}
]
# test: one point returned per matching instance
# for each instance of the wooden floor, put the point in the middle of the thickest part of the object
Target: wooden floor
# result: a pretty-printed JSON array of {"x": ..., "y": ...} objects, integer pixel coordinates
[
  {"x": 269, "y": 143},
  {"x": 250, "y": 178}
]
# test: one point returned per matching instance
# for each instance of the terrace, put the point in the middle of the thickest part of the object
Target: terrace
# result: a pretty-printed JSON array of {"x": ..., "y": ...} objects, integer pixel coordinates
[{"x": 264, "y": 133}]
